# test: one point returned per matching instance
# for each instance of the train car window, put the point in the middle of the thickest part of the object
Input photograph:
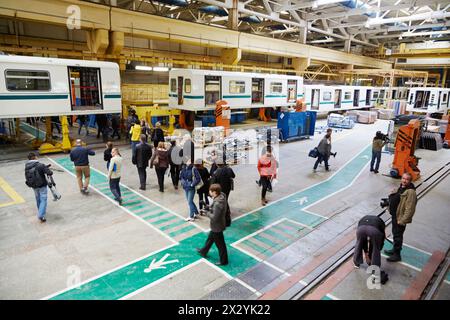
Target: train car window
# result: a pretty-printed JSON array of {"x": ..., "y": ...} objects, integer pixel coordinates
[
  {"x": 444, "y": 97},
  {"x": 381, "y": 94},
  {"x": 375, "y": 95},
  {"x": 27, "y": 80},
  {"x": 187, "y": 85},
  {"x": 347, "y": 95},
  {"x": 236, "y": 86},
  {"x": 85, "y": 88},
  {"x": 276, "y": 87},
  {"x": 326, "y": 96},
  {"x": 173, "y": 85}
]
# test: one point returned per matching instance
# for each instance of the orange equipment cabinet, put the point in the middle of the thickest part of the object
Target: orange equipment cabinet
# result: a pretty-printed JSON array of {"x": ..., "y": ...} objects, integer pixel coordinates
[
  {"x": 447, "y": 132},
  {"x": 405, "y": 146},
  {"x": 223, "y": 115}
]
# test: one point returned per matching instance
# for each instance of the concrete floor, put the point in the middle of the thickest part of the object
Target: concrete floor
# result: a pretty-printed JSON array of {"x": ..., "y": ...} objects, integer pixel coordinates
[{"x": 102, "y": 240}]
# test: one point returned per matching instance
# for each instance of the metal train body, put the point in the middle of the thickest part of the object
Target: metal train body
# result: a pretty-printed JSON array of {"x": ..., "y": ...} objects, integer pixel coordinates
[
  {"x": 428, "y": 100},
  {"x": 35, "y": 86},
  {"x": 198, "y": 90}
]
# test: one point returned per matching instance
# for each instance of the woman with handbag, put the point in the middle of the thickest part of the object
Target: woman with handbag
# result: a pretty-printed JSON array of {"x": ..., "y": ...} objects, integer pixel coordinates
[
  {"x": 190, "y": 180},
  {"x": 160, "y": 160},
  {"x": 203, "y": 191},
  {"x": 267, "y": 169}
]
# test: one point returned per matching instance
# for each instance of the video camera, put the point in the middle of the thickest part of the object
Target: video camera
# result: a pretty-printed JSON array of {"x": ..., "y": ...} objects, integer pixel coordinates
[
  {"x": 384, "y": 202},
  {"x": 382, "y": 136}
]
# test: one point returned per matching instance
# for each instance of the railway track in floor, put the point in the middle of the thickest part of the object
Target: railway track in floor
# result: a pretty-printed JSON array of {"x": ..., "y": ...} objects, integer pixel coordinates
[{"x": 329, "y": 267}]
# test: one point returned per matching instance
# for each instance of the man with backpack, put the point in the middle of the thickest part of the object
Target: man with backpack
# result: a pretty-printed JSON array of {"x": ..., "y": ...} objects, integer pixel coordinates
[
  {"x": 35, "y": 178},
  {"x": 190, "y": 181}
]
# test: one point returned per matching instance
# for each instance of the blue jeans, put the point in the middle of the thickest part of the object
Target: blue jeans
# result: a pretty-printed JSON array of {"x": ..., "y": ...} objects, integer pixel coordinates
[
  {"x": 41, "y": 200},
  {"x": 114, "y": 186},
  {"x": 133, "y": 147},
  {"x": 376, "y": 155},
  {"x": 190, "y": 193}
]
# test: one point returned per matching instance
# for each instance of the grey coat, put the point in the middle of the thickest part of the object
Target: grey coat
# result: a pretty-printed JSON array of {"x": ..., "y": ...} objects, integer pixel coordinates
[
  {"x": 217, "y": 213},
  {"x": 324, "y": 147}
]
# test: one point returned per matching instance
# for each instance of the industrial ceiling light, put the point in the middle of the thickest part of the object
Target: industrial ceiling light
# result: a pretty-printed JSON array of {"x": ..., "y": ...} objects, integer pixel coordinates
[
  {"x": 160, "y": 69},
  {"x": 143, "y": 68}
]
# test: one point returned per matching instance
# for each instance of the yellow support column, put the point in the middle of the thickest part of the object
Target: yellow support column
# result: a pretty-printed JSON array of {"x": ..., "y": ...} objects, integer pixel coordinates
[
  {"x": 171, "y": 124},
  {"x": 48, "y": 130},
  {"x": 231, "y": 56},
  {"x": 66, "y": 144}
]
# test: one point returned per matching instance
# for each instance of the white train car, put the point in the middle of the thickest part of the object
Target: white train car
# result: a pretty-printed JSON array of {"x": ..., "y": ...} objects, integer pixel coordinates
[
  {"x": 428, "y": 100},
  {"x": 325, "y": 98},
  {"x": 198, "y": 90},
  {"x": 35, "y": 86}
]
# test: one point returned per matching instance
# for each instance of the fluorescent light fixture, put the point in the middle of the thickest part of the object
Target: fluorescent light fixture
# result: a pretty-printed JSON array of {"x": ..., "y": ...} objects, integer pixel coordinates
[
  {"x": 324, "y": 2},
  {"x": 143, "y": 68},
  {"x": 160, "y": 69}
]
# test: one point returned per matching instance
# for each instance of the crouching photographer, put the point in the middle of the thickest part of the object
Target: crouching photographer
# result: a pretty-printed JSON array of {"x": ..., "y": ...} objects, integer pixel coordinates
[
  {"x": 402, "y": 206},
  {"x": 379, "y": 141}
]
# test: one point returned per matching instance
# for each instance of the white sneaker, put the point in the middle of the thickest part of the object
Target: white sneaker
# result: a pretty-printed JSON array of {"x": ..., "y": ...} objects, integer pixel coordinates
[{"x": 190, "y": 219}]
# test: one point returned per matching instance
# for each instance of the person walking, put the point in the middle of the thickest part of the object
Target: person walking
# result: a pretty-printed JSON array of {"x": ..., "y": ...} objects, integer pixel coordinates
[
  {"x": 377, "y": 145},
  {"x": 190, "y": 178},
  {"x": 82, "y": 119},
  {"x": 267, "y": 169},
  {"x": 402, "y": 206},
  {"x": 114, "y": 173},
  {"x": 157, "y": 135},
  {"x": 35, "y": 178},
  {"x": 55, "y": 123},
  {"x": 324, "y": 151},
  {"x": 224, "y": 176},
  {"x": 175, "y": 161},
  {"x": 141, "y": 158},
  {"x": 145, "y": 129},
  {"x": 160, "y": 160},
  {"x": 135, "y": 133},
  {"x": 80, "y": 158},
  {"x": 115, "y": 125},
  {"x": 131, "y": 120},
  {"x": 107, "y": 154},
  {"x": 217, "y": 215},
  {"x": 101, "y": 121},
  {"x": 203, "y": 191}
]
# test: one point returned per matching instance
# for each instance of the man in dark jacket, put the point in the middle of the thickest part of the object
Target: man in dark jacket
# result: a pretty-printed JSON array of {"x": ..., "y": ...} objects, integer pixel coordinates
[
  {"x": 402, "y": 206},
  {"x": 141, "y": 158},
  {"x": 224, "y": 176},
  {"x": 102, "y": 122},
  {"x": 80, "y": 157},
  {"x": 324, "y": 150},
  {"x": 217, "y": 214},
  {"x": 176, "y": 161},
  {"x": 35, "y": 178},
  {"x": 157, "y": 135}
]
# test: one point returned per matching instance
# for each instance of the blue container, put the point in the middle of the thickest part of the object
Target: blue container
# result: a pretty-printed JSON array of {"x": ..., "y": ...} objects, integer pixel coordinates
[{"x": 295, "y": 125}]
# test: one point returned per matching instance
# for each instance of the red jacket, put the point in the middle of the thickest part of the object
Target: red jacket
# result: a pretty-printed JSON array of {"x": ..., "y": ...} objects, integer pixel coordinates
[{"x": 267, "y": 166}]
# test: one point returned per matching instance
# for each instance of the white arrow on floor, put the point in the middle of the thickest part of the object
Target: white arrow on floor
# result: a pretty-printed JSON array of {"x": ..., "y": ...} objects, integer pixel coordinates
[
  {"x": 301, "y": 201},
  {"x": 160, "y": 264}
]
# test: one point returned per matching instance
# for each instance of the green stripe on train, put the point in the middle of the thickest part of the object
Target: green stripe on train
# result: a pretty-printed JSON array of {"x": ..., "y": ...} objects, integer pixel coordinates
[
  {"x": 34, "y": 97},
  {"x": 113, "y": 96}
]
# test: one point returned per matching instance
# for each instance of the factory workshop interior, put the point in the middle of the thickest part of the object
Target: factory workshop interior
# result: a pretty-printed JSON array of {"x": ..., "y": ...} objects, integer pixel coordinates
[{"x": 225, "y": 158}]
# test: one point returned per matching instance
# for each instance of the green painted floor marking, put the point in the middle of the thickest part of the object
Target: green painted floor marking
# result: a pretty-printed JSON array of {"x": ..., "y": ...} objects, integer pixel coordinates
[
  {"x": 325, "y": 297},
  {"x": 130, "y": 278},
  {"x": 173, "y": 225},
  {"x": 411, "y": 256},
  {"x": 159, "y": 214},
  {"x": 277, "y": 235},
  {"x": 149, "y": 210},
  {"x": 270, "y": 243},
  {"x": 181, "y": 231},
  {"x": 255, "y": 247},
  {"x": 135, "y": 206},
  {"x": 286, "y": 231},
  {"x": 171, "y": 217}
]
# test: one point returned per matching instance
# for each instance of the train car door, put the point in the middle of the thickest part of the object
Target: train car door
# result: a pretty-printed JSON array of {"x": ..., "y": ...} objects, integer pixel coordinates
[
  {"x": 356, "y": 98},
  {"x": 291, "y": 90},
  {"x": 444, "y": 99},
  {"x": 180, "y": 90},
  {"x": 368, "y": 95},
  {"x": 213, "y": 85},
  {"x": 422, "y": 99},
  {"x": 86, "y": 88},
  {"x": 439, "y": 100},
  {"x": 394, "y": 94},
  {"x": 337, "y": 98},
  {"x": 315, "y": 99},
  {"x": 257, "y": 90}
]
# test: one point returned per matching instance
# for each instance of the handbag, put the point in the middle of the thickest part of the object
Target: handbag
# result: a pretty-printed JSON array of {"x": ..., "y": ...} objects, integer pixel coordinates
[
  {"x": 314, "y": 153},
  {"x": 201, "y": 183}
]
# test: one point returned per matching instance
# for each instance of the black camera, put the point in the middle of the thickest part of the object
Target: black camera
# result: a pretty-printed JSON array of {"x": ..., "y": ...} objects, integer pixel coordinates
[
  {"x": 384, "y": 202},
  {"x": 382, "y": 136}
]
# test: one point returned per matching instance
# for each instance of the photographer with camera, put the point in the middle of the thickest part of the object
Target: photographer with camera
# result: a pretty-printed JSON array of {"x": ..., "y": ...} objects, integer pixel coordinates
[
  {"x": 377, "y": 145},
  {"x": 217, "y": 213},
  {"x": 402, "y": 206},
  {"x": 35, "y": 177}
]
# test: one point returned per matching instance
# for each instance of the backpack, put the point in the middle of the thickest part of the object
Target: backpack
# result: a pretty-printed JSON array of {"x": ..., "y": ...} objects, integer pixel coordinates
[{"x": 33, "y": 178}]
